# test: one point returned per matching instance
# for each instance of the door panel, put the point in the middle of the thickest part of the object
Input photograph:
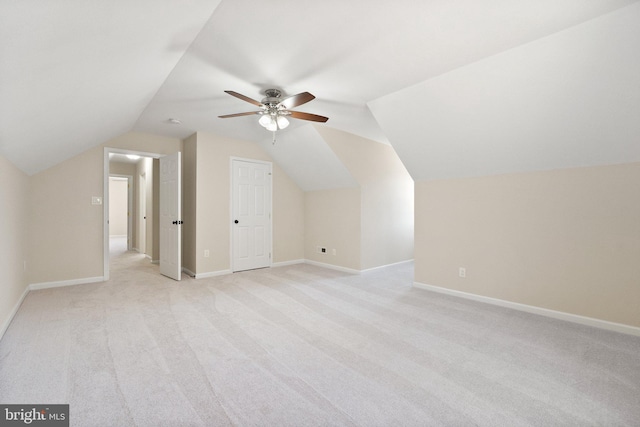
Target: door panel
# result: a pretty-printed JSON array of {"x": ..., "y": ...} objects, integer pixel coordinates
[
  {"x": 170, "y": 216},
  {"x": 251, "y": 211}
]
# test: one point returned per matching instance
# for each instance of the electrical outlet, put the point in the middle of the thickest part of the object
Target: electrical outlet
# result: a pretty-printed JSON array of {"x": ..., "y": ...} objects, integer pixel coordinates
[
  {"x": 206, "y": 253},
  {"x": 323, "y": 250},
  {"x": 462, "y": 272}
]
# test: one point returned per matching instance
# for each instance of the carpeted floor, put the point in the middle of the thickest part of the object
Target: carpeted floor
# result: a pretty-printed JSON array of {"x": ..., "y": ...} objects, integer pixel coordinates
[{"x": 305, "y": 346}]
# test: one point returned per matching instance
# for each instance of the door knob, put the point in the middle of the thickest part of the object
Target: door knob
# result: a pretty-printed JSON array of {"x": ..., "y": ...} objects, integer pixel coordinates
[{"x": 236, "y": 221}]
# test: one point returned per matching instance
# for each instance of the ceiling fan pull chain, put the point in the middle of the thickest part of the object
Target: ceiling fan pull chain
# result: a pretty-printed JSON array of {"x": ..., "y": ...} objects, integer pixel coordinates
[{"x": 274, "y": 138}]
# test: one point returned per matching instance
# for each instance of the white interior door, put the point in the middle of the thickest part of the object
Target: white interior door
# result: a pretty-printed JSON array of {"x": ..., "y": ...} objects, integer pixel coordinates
[
  {"x": 142, "y": 216},
  {"x": 251, "y": 215},
  {"x": 170, "y": 216}
]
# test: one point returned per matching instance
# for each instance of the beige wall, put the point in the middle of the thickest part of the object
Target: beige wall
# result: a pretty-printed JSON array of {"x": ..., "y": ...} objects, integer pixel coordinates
[
  {"x": 122, "y": 168},
  {"x": 213, "y": 204},
  {"x": 189, "y": 176},
  {"x": 288, "y": 218},
  {"x": 386, "y": 197},
  {"x": 565, "y": 240},
  {"x": 332, "y": 220},
  {"x": 145, "y": 171},
  {"x": 66, "y": 230},
  {"x": 14, "y": 187},
  {"x": 140, "y": 240},
  {"x": 153, "y": 208}
]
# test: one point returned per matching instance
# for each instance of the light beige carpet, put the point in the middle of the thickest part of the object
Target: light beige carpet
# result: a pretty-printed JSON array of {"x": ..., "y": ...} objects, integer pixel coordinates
[{"x": 305, "y": 346}]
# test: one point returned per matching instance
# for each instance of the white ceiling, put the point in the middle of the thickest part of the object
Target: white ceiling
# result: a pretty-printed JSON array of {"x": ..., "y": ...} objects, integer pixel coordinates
[
  {"x": 568, "y": 100},
  {"x": 122, "y": 158},
  {"x": 308, "y": 160},
  {"x": 76, "y": 74}
]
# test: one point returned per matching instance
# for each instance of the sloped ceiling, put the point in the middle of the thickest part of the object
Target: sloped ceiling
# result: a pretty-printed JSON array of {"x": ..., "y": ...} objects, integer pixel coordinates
[
  {"x": 307, "y": 158},
  {"x": 567, "y": 100},
  {"x": 76, "y": 74}
]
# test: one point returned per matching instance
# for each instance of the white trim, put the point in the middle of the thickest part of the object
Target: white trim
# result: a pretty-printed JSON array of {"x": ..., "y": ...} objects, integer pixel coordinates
[
  {"x": 13, "y": 312},
  {"x": 385, "y": 266},
  {"x": 344, "y": 269},
  {"x": 118, "y": 236},
  {"x": 212, "y": 274},
  {"x": 286, "y": 263},
  {"x": 574, "y": 318},
  {"x": 61, "y": 283},
  {"x": 332, "y": 267},
  {"x": 188, "y": 272},
  {"x": 105, "y": 214}
]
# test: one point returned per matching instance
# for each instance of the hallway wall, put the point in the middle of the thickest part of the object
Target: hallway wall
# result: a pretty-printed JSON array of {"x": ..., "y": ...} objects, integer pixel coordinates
[{"x": 14, "y": 187}]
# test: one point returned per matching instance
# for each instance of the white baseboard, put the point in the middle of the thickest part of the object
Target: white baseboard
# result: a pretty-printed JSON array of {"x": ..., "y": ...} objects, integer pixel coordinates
[
  {"x": 212, "y": 274},
  {"x": 225, "y": 272},
  {"x": 7, "y": 322},
  {"x": 188, "y": 272},
  {"x": 205, "y": 275},
  {"x": 60, "y": 283},
  {"x": 286, "y": 263},
  {"x": 45, "y": 285},
  {"x": 294, "y": 262},
  {"x": 574, "y": 318},
  {"x": 352, "y": 270},
  {"x": 385, "y": 266},
  {"x": 332, "y": 267}
]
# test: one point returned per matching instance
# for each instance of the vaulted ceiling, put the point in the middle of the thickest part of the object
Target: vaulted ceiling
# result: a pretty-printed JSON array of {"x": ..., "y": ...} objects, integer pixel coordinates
[{"x": 459, "y": 88}]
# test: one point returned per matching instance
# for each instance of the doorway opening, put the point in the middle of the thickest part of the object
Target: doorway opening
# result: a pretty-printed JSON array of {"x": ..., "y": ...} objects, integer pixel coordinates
[
  {"x": 120, "y": 213},
  {"x": 140, "y": 170}
]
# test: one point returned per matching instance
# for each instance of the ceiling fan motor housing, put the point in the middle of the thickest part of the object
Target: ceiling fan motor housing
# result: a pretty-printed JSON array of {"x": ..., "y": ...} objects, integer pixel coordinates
[{"x": 273, "y": 97}]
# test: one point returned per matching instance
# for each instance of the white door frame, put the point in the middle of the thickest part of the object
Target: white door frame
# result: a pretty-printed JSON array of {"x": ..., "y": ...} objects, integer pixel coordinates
[
  {"x": 129, "y": 206},
  {"x": 263, "y": 162},
  {"x": 105, "y": 200}
]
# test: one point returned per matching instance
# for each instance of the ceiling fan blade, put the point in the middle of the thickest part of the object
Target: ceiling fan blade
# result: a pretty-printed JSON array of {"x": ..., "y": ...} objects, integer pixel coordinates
[
  {"x": 308, "y": 116},
  {"x": 295, "y": 100},
  {"x": 239, "y": 114},
  {"x": 244, "y": 98}
]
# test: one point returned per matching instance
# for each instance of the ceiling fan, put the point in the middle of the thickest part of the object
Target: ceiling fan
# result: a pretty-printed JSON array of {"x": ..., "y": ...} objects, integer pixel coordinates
[{"x": 275, "y": 110}]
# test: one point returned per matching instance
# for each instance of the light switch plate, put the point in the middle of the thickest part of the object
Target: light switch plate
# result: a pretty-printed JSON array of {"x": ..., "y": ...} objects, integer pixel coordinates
[{"x": 96, "y": 200}]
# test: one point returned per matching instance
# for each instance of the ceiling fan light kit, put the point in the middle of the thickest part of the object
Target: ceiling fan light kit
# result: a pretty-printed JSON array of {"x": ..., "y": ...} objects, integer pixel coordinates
[
  {"x": 273, "y": 121},
  {"x": 275, "y": 109}
]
